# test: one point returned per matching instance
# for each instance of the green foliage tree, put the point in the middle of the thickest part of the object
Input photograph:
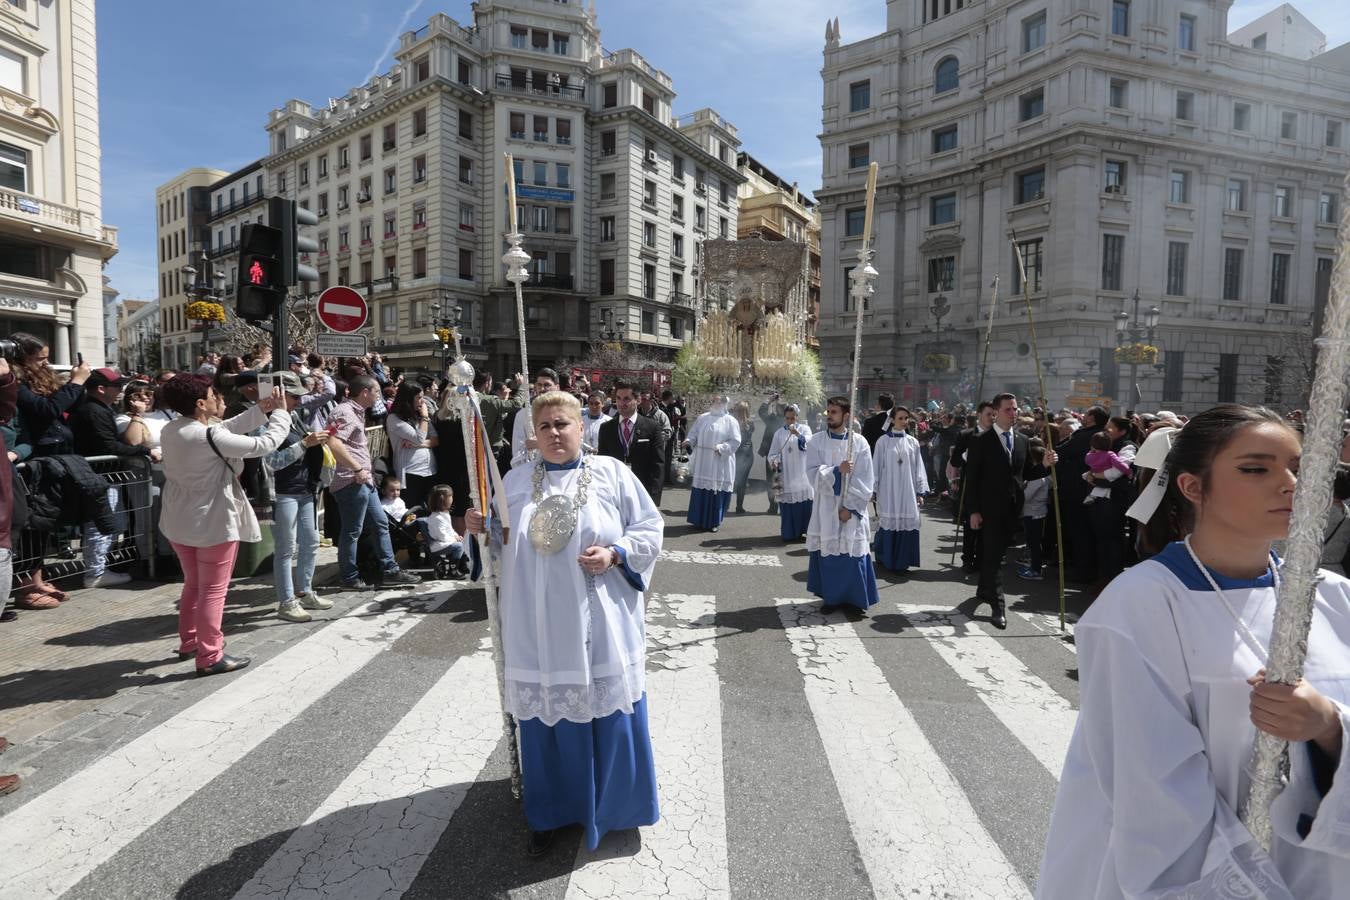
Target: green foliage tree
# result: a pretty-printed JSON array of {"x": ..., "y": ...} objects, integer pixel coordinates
[{"x": 690, "y": 376}]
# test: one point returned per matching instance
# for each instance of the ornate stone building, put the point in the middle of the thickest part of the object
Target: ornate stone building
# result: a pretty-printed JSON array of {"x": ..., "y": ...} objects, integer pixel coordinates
[
  {"x": 53, "y": 242},
  {"x": 1129, "y": 146}
]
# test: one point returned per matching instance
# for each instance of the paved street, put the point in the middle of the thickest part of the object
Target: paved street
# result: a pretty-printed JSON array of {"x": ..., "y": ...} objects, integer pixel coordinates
[{"x": 913, "y": 753}]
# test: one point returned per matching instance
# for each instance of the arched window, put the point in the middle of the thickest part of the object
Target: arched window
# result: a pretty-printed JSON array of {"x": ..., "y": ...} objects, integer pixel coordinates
[{"x": 948, "y": 77}]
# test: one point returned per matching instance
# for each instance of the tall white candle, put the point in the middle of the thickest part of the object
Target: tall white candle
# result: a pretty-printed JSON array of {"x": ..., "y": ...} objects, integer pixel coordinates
[{"x": 511, "y": 193}]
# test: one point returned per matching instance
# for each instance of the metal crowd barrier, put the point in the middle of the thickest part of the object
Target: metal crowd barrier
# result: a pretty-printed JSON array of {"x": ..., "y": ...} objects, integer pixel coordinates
[{"x": 59, "y": 553}]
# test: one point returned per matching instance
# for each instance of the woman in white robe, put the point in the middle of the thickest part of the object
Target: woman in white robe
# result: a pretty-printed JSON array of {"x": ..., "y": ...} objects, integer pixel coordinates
[
  {"x": 902, "y": 481},
  {"x": 574, "y": 638},
  {"x": 714, "y": 439},
  {"x": 787, "y": 458},
  {"x": 1170, "y": 662}
]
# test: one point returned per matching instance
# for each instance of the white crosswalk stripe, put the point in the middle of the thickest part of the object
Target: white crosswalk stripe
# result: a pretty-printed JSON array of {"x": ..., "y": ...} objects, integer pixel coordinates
[
  {"x": 915, "y": 828},
  {"x": 1039, "y": 717},
  {"x": 1050, "y": 625},
  {"x": 721, "y": 558},
  {"x": 371, "y": 836},
  {"x": 63, "y": 834}
]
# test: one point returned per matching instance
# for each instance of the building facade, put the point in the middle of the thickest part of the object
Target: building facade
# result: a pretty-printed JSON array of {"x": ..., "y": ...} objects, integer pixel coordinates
[
  {"x": 775, "y": 210},
  {"x": 182, "y": 207},
  {"x": 1126, "y": 147},
  {"x": 53, "y": 243},
  {"x": 138, "y": 336},
  {"x": 1284, "y": 31},
  {"x": 407, "y": 175}
]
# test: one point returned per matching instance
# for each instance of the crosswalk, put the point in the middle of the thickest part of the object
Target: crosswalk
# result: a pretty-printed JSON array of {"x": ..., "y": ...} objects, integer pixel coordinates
[{"x": 919, "y": 823}]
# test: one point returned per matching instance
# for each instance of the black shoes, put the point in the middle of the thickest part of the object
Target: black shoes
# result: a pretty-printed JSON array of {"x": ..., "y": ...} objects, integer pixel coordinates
[
  {"x": 398, "y": 576},
  {"x": 226, "y": 664},
  {"x": 1000, "y": 616},
  {"x": 539, "y": 842}
]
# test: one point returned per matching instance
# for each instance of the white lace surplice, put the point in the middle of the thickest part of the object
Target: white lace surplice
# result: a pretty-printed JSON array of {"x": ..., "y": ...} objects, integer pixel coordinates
[
  {"x": 714, "y": 432},
  {"x": 575, "y": 650},
  {"x": 1155, "y": 771},
  {"x": 790, "y": 455},
  {"x": 900, "y": 479},
  {"x": 826, "y": 533}
]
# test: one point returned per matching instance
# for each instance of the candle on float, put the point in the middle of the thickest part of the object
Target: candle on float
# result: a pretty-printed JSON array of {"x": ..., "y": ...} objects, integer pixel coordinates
[
  {"x": 871, "y": 201},
  {"x": 511, "y": 193}
]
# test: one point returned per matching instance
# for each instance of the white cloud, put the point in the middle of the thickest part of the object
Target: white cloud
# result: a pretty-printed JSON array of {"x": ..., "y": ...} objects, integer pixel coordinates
[{"x": 393, "y": 41}]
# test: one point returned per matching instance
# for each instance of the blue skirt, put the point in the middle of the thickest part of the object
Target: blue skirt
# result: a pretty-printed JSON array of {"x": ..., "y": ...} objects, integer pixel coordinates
[
  {"x": 597, "y": 774},
  {"x": 842, "y": 579},
  {"x": 898, "y": 550},
  {"x": 708, "y": 508},
  {"x": 793, "y": 519}
]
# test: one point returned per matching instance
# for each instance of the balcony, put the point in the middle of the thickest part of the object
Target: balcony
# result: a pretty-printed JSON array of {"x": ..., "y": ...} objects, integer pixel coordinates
[
  {"x": 684, "y": 300},
  {"x": 506, "y": 83},
  {"x": 549, "y": 281},
  {"x": 222, "y": 250},
  {"x": 33, "y": 210},
  {"x": 222, "y": 211}
]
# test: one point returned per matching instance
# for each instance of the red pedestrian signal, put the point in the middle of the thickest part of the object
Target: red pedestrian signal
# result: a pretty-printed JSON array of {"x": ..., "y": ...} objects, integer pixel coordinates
[{"x": 255, "y": 273}]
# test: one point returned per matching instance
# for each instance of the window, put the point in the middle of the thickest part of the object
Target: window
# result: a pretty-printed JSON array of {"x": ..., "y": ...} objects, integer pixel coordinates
[
  {"x": 854, "y": 222},
  {"x": 564, "y": 175},
  {"x": 1327, "y": 209},
  {"x": 648, "y": 103},
  {"x": 390, "y": 180},
  {"x": 1031, "y": 104},
  {"x": 12, "y": 69},
  {"x": 1033, "y": 32},
  {"x": 419, "y": 169},
  {"x": 677, "y": 328},
  {"x": 942, "y": 209},
  {"x": 1185, "y": 106},
  {"x": 13, "y": 168},
  {"x": 649, "y": 193},
  {"x": 1279, "y": 278},
  {"x": 1176, "y": 268},
  {"x": 723, "y": 193},
  {"x": 1284, "y": 203},
  {"x": 419, "y": 122},
  {"x": 303, "y": 180},
  {"x": 541, "y": 129},
  {"x": 389, "y": 317},
  {"x": 365, "y": 232},
  {"x": 466, "y": 170},
  {"x": 1174, "y": 365},
  {"x": 466, "y": 217},
  {"x": 677, "y": 207},
  {"x": 421, "y": 69},
  {"x": 1113, "y": 261},
  {"x": 648, "y": 322},
  {"x": 941, "y": 274},
  {"x": 648, "y": 285},
  {"x": 607, "y": 186},
  {"x": 944, "y": 139},
  {"x": 344, "y": 157},
  {"x": 608, "y": 143},
  {"x": 344, "y": 275},
  {"x": 1031, "y": 257},
  {"x": 677, "y": 168},
  {"x": 1259, "y": 42},
  {"x": 649, "y": 234},
  {"x": 419, "y": 215},
  {"x": 723, "y": 228},
  {"x": 859, "y": 96},
  {"x": 560, "y": 44},
  {"x": 466, "y": 265},
  {"x": 1186, "y": 33},
  {"x": 419, "y": 262},
  {"x": 390, "y": 228},
  {"x": 541, "y": 173},
  {"x": 518, "y": 170},
  {"x": 344, "y": 238},
  {"x": 1120, "y": 17},
  {"x": 539, "y": 41},
  {"x": 1333, "y": 138},
  {"x": 611, "y": 95},
  {"x": 947, "y": 77},
  {"x": 606, "y": 228},
  {"x": 562, "y": 130},
  {"x": 606, "y": 277},
  {"x": 1115, "y": 176},
  {"x": 363, "y": 194},
  {"x": 1274, "y": 379},
  {"x": 1232, "y": 273},
  {"x": 1181, "y": 187},
  {"x": 1237, "y": 195},
  {"x": 859, "y": 155},
  {"x": 677, "y": 246},
  {"x": 1228, "y": 375},
  {"x": 323, "y": 169},
  {"x": 517, "y": 124},
  {"x": 323, "y": 204},
  {"x": 700, "y": 218},
  {"x": 1288, "y": 126},
  {"x": 390, "y": 136},
  {"x": 1031, "y": 185},
  {"x": 520, "y": 38},
  {"x": 542, "y": 217},
  {"x": 464, "y": 72},
  {"x": 1242, "y": 116},
  {"x": 1118, "y": 93},
  {"x": 367, "y": 143}
]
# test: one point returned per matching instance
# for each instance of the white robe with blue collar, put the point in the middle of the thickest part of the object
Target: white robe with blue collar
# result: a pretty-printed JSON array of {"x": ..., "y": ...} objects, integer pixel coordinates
[
  {"x": 826, "y": 534},
  {"x": 788, "y": 452},
  {"x": 901, "y": 478}
]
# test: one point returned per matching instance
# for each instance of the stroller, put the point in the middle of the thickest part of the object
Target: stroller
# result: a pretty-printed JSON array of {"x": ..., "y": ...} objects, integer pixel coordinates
[{"x": 409, "y": 534}]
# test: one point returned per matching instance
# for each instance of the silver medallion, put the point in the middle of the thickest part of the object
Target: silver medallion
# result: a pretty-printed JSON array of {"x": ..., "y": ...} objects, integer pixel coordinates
[{"x": 551, "y": 526}]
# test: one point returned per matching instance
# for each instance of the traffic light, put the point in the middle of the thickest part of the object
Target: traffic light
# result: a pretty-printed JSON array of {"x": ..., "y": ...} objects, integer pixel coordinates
[
  {"x": 260, "y": 288},
  {"x": 288, "y": 217}
]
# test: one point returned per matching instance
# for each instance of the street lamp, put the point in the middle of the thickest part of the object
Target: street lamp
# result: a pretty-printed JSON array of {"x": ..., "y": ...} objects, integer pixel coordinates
[
  {"x": 444, "y": 320},
  {"x": 1130, "y": 329},
  {"x": 210, "y": 288},
  {"x": 611, "y": 328}
]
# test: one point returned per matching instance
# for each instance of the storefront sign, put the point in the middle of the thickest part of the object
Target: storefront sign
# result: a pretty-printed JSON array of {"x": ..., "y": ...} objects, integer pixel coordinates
[
  {"x": 552, "y": 195},
  {"x": 27, "y": 304}
]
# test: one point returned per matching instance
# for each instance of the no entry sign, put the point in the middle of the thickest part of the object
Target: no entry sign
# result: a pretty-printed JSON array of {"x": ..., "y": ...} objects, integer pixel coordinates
[{"x": 342, "y": 309}]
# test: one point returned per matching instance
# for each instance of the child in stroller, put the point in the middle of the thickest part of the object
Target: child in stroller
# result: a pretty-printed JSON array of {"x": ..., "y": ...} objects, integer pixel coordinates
[
  {"x": 445, "y": 547},
  {"x": 405, "y": 534}
]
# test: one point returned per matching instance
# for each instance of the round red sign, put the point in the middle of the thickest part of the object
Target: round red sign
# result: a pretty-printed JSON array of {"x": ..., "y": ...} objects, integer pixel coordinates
[{"x": 342, "y": 309}]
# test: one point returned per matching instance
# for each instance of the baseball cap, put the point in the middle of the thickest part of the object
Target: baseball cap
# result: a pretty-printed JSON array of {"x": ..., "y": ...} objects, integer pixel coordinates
[
  {"x": 294, "y": 360},
  {"x": 290, "y": 383},
  {"x": 246, "y": 377},
  {"x": 105, "y": 377}
]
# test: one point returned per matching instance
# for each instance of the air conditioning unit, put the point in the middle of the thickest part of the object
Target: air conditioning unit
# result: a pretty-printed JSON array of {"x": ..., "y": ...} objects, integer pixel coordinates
[
  {"x": 651, "y": 157},
  {"x": 1114, "y": 189},
  {"x": 363, "y": 197}
]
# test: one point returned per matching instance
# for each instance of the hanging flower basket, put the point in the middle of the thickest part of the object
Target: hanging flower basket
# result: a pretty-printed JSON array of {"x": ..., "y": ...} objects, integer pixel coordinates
[
  {"x": 203, "y": 311},
  {"x": 1139, "y": 354},
  {"x": 938, "y": 362}
]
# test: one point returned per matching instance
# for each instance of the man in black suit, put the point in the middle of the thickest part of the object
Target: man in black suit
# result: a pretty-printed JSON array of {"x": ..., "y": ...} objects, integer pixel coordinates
[
  {"x": 997, "y": 468},
  {"x": 635, "y": 439},
  {"x": 1080, "y": 555},
  {"x": 874, "y": 426},
  {"x": 970, "y": 540}
]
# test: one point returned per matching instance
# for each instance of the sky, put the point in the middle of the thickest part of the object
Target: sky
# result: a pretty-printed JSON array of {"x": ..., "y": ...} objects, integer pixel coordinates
[{"x": 182, "y": 85}]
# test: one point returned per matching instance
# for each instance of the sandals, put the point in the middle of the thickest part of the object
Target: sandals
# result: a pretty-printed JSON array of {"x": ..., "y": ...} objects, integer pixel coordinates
[{"x": 35, "y": 600}]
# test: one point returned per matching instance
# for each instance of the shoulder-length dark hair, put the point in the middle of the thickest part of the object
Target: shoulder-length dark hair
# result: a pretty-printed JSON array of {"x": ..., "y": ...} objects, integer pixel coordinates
[
  {"x": 406, "y": 401},
  {"x": 1194, "y": 449},
  {"x": 182, "y": 392}
]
